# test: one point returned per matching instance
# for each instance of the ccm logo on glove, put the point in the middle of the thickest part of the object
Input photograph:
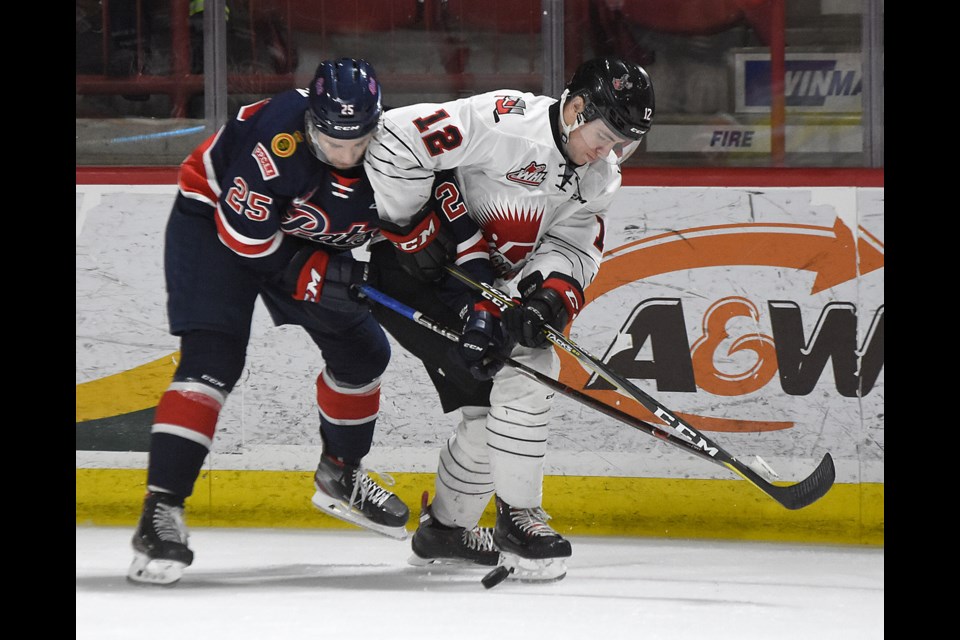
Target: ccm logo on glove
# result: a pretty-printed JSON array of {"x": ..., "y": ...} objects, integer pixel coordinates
[
  {"x": 484, "y": 342},
  {"x": 415, "y": 239},
  {"x": 326, "y": 279},
  {"x": 423, "y": 245},
  {"x": 310, "y": 282}
]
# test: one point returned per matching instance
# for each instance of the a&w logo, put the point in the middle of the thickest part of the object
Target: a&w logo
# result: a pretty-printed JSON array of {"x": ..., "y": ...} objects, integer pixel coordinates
[{"x": 533, "y": 174}]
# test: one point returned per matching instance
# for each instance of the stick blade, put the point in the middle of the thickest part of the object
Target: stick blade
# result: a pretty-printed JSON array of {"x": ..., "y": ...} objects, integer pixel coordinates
[{"x": 812, "y": 488}]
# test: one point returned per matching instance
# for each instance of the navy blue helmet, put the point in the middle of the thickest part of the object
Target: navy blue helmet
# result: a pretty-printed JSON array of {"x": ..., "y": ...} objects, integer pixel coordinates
[{"x": 344, "y": 98}]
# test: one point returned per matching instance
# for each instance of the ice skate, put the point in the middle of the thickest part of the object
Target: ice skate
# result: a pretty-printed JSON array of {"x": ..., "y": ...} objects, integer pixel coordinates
[
  {"x": 346, "y": 492},
  {"x": 160, "y": 542},
  {"x": 435, "y": 544},
  {"x": 530, "y": 551}
]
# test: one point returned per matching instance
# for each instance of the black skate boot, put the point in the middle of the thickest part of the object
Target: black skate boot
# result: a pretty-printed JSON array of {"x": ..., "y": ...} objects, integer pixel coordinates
[
  {"x": 434, "y": 543},
  {"x": 530, "y": 550},
  {"x": 160, "y": 542},
  {"x": 345, "y": 491}
]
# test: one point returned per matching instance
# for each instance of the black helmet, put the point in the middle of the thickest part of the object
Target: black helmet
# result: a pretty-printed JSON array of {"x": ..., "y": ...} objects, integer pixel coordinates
[
  {"x": 619, "y": 92},
  {"x": 344, "y": 99}
]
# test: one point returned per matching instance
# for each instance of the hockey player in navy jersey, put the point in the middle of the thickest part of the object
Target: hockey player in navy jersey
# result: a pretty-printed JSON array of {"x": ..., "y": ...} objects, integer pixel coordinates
[
  {"x": 513, "y": 188},
  {"x": 272, "y": 205}
]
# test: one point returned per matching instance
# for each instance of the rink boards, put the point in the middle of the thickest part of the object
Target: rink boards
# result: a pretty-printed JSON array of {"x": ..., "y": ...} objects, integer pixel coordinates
[{"x": 752, "y": 306}]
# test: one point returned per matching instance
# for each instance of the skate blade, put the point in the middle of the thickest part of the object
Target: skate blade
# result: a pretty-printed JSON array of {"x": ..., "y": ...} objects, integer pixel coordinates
[
  {"x": 342, "y": 511},
  {"x": 533, "y": 570},
  {"x": 143, "y": 570},
  {"x": 417, "y": 561}
]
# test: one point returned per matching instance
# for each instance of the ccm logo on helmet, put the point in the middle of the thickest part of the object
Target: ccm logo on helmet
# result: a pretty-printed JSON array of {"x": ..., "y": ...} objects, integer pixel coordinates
[{"x": 352, "y": 127}]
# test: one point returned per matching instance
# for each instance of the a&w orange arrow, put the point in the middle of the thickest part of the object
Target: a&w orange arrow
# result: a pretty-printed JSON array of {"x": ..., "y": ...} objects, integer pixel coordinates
[{"x": 829, "y": 252}]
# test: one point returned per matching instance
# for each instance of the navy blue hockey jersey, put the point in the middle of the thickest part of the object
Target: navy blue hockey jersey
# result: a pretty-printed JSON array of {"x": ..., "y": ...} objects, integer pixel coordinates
[{"x": 260, "y": 181}]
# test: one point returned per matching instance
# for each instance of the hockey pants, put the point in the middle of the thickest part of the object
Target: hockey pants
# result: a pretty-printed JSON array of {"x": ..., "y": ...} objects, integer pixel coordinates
[{"x": 498, "y": 449}]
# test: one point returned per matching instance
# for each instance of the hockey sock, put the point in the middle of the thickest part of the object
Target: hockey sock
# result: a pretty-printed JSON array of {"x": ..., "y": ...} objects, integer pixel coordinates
[
  {"x": 182, "y": 435},
  {"x": 348, "y": 415}
]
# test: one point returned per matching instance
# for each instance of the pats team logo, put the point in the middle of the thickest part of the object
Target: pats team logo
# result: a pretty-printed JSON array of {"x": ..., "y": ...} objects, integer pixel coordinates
[
  {"x": 283, "y": 145},
  {"x": 308, "y": 220},
  {"x": 533, "y": 174}
]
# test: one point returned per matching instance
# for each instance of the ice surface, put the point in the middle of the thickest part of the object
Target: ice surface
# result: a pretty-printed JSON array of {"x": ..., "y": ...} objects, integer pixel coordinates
[{"x": 267, "y": 584}]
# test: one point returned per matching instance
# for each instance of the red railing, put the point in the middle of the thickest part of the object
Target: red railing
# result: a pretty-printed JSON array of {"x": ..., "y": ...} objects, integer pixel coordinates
[{"x": 632, "y": 176}]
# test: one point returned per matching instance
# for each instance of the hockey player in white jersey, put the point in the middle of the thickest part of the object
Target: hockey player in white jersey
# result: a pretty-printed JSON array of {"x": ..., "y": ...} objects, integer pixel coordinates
[{"x": 512, "y": 188}]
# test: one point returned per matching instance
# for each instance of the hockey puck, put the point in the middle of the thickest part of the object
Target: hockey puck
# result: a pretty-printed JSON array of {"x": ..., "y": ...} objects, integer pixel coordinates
[{"x": 495, "y": 577}]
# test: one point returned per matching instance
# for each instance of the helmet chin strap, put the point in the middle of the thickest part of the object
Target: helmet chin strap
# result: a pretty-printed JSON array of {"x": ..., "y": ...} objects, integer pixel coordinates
[
  {"x": 565, "y": 129},
  {"x": 308, "y": 129}
]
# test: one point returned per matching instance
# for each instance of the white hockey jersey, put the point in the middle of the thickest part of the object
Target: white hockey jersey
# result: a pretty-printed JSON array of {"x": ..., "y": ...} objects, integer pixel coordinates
[{"x": 536, "y": 211}]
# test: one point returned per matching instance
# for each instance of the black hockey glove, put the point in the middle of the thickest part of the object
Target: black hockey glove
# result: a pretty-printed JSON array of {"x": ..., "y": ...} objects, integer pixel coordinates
[
  {"x": 423, "y": 246},
  {"x": 328, "y": 279},
  {"x": 555, "y": 302},
  {"x": 484, "y": 343}
]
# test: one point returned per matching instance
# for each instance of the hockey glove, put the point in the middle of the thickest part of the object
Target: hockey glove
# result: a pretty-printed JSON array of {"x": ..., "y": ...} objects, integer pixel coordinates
[
  {"x": 423, "y": 245},
  {"x": 555, "y": 302},
  {"x": 484, "y": 342},
  {"x": 328, "y": 279}
]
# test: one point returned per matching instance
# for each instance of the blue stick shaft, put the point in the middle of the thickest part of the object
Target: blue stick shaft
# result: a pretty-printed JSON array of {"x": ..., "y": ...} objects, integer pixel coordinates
[{"x": 407, "y": 312}]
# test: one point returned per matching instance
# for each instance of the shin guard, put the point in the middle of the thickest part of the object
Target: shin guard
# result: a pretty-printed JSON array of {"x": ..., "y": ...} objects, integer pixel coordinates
[{"x": 464, "y": 483}]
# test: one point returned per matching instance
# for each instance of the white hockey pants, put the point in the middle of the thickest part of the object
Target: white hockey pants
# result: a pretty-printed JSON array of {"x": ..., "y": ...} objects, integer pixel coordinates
[{"x": 501, "y": 450}]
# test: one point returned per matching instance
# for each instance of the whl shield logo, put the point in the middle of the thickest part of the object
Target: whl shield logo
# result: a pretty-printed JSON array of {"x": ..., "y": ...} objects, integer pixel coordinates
[
  {"x": 765, "y": 341},
  {"x": 533, "y": 174}
]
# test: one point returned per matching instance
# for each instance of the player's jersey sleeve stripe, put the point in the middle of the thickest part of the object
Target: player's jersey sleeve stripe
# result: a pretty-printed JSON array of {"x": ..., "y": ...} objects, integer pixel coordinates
[
  {"x": 243, "y": 245},
  {"x": 197, "y": 179},
  {"x": 407, "y": 154},
  {"x": 472, "y": 249}
]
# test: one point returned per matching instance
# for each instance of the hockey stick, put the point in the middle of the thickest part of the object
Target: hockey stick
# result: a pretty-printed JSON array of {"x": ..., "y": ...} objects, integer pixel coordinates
[
  {"x": 556, "y": 385},
  {"x": 791, "y": 497},
  {"x": 795, "y": 496}
]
